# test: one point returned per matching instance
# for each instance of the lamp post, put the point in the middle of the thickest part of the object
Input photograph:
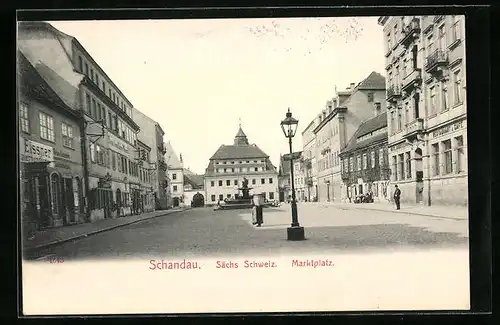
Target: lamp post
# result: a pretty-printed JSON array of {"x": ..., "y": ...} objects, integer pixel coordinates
[{"x": 289, "y": 127}]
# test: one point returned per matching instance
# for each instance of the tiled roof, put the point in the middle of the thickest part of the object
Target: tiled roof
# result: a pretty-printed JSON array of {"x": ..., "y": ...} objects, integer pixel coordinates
[
  {"x": 32, "y": 81},
  {"x": 196, "y": 181},
  {"x": 241, "y": 133},
  {"x": 374, "y": 81},
  {"x": 236, "y": 152},
  {"x": 366, "y": 127}
]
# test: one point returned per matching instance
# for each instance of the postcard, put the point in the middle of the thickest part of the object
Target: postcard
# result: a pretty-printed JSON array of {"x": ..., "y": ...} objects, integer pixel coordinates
[{"x": 243, "y": 165}]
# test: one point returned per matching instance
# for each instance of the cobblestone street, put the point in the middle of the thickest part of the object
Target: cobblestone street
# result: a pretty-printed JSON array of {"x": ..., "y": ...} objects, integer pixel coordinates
[{"x": 206, "y": 233}]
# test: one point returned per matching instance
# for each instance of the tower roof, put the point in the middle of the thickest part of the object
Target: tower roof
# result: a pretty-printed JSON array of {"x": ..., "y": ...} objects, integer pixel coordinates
[{"x": 240, "y": 138}]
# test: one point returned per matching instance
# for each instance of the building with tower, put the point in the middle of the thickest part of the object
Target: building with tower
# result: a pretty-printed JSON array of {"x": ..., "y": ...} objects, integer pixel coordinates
[
  {"x": 231, "y": 163},
  {"x": 175, "y": 172}
]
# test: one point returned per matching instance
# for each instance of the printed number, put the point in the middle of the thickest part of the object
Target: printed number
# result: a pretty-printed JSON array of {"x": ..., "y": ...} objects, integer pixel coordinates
[{"x": 55, "y": 260}]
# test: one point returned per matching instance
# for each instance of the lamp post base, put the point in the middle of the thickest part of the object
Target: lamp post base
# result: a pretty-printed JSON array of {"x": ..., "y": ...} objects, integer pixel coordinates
[{"x": 295, "y": 233}]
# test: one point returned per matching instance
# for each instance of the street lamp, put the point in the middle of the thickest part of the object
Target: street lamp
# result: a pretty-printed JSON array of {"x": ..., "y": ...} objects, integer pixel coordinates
[{"x": 289, "y": 127}]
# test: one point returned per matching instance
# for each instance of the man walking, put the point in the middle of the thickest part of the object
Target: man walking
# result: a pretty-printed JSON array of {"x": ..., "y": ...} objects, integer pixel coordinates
[{"x": 397, "y": 194}]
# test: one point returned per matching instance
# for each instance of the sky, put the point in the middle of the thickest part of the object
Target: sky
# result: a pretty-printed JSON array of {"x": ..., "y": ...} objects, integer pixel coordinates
[{"x": 198, "y": 78}]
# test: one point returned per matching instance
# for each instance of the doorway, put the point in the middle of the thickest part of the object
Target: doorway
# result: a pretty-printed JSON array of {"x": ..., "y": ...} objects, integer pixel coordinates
[{"x": 176, "y": 202}]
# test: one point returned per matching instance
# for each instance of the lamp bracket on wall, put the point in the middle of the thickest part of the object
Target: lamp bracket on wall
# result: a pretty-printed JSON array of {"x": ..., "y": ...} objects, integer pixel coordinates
[{"x": 96, "y": 136}]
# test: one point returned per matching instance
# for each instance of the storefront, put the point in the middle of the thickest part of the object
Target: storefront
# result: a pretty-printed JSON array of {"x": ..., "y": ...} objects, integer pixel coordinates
[{"x": 51, "y": 183}]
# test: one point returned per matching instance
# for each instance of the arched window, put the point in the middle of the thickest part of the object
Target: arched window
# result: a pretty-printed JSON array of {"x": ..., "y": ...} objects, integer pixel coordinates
[{"x": 55, "y": 193}]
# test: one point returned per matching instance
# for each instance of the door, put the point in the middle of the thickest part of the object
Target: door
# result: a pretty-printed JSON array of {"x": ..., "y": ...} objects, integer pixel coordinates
[
  {"x": 107, "y": 204},
  {"x": 282, "y": 196}
]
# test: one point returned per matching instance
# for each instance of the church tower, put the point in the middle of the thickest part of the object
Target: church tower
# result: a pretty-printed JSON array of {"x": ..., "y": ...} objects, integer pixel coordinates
[{"x": 241, "y": 138}]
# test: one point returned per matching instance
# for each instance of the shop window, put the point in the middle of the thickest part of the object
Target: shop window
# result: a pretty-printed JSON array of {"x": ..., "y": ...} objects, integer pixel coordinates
[
  {"x": 55, "y": 190},
  {"x": 460, "y": 154},
  {"x": 401, "y": 167},
  {"x": 448, "y": 159},
  {"x": 395, "y": 167},
  {"x": 46, "y": 127},
  {"x": 435, "y": 160}
]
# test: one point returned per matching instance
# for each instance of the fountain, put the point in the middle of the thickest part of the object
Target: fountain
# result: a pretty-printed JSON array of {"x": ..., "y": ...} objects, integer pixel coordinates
[{"x": 240, "y": 202}]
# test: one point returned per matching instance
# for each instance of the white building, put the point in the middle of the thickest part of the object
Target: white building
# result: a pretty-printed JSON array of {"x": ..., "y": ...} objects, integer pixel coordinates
[
  {"x": 175, "y": 171},
  {"x": 230, "y": 164}
]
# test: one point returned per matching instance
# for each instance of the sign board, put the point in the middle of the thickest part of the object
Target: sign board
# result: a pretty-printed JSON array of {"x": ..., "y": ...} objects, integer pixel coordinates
[
  {"x": 31, "y": 151},
  {"x": 449, "y": 128}
]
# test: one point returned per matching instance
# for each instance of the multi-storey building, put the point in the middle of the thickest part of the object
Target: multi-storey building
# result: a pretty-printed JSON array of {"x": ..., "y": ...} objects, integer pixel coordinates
[
  {"x": 109, "y": 134},
  {"x": 230, "y": 164},
  {"x": 284, "y": 185},
  {"x": 309, "y": 162},
  {"x": 50, "y": 153},
  {"x": 336, "y": 125},
  {"x": 175, "y": 171},
  {"x": 364, "y": 161},
  {"x": 145, "y": 200},
  {"x": 152, "y": 134},
  {"x": 427, "y": 107},
  {"x": 299, "y": 176}
]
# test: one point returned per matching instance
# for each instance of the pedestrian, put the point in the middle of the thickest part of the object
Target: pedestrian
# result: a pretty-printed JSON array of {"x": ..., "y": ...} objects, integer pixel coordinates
[{"x": 397, "y": 195}]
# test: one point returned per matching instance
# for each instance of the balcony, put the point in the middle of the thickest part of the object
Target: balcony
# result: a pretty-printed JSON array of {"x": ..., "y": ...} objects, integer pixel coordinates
[
  {"x": 411, "y": 32},
  {"x": 436, "y": 61},
  {"x": 411, "y": 81},
  {"x": 414, "y": 128},
  {"x": 393, "y": 93}
]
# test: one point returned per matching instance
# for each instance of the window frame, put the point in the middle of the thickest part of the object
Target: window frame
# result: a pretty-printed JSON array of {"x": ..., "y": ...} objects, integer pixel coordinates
[{"x": 47, "y": 126}]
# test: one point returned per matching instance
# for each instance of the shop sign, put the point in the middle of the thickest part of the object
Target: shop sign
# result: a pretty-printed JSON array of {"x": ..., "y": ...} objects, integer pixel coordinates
[
  {"x": 32, "y": 151},
  {"x": 61, "y": 154},
  {"x": 448, "y": 128},
  {"x": 399, "y": 146}
]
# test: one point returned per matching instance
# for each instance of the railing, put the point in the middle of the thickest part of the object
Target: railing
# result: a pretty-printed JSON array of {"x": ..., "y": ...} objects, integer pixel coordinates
[
  {"x": 393, "y": 91},
  {"x": 435, "y": 59},
  {"x": 411, "y": 79},
  {"x": 415, "y": 126},
  {"x": 411, "y": 31}
]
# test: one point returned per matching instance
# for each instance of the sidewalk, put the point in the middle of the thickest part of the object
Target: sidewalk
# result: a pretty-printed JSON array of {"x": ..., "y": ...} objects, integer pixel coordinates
[
  {"x": 53, "y": 236},
  {"x": 440, "y": 211}
]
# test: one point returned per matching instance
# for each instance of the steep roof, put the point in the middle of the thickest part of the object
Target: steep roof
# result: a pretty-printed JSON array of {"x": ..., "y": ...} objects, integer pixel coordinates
[
  {"x": 374, "y": 81},
  {"x": 376, "y": 123},
  {"x": 32, "y": 82},
  {"x": 171, "y": 157},
  {"x": 196, "y": 181}
]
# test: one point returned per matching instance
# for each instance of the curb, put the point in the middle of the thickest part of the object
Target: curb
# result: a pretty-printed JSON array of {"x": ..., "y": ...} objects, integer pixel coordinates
[{"x": 54, "y": 243}]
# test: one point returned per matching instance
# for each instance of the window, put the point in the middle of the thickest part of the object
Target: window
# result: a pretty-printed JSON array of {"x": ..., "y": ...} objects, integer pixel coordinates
[
  {"x": 104, "y": 86},
  {"x": 94, "y": 109},
  {"x": 346, "y": 165},
  {"x": 212, "y": 184},
  {"x": 400, "y": 119},
  {"x": 23, "y": 117},
  {"x": 80, "y": 64},
  {"x": 435, "y": 154},
  {"x": 460, "y": 154},
  {"x": 270, "y": 180},
  {"x": 256, "y": 169},
  {"x": 393, "y": 122},
  {"x": 98, "y": 115},
  {"x": 263, "y": 181},
  {"x": 86, "y": 69},
  {"x": 221, "y": 197},
  {"x": 442, "y": 37},
  {"x": 370, "y": 97},
  {"x": 174, "y": 188},
  {"x": 432, "y": 102},
  {"x": 92, "y": 74},
  {"x": 103, "y": 114},
  {"x": 395, "y": 167},
  {"x": 271, "y": 195},
  {"x": 47, "y": 127},
  {"x": 401, "y": 167},
  {"x": 358, "y": 162},
  {"x": 225, "y": 170},
  {"x": 119, "y": 161},
  {"x": 232, "y": 170},
  {"x": 455, "y": 29},
  {"x": 444, "y": 95},
  {"x": 220, "y": 183},
  {"x": 372, "y": 160},
  {"x": 212, "y": 198},
  {"x": 430, "y": 44},
  {"x": 381, "y": 157},
  {"x": 110, "y": 120},
  {"x": 407, "y": 113},
  {"x": 235, "y": 182},
  {"x": 67, "y": 135},
  {"x": 408, "y": 165},
  {"x": 92, "y": 152},
  {"x": 254, "y": 181},
  {"x": 97, "y": 79},
  {"x": 448, "y": 159},
  {"x": 228, "y": 182},
  {"x": 113, "y": 160},
  {"x": 365, "y": 161},
  {"x": 457, "y": 82},
  {"x": 351, "y": 164}
]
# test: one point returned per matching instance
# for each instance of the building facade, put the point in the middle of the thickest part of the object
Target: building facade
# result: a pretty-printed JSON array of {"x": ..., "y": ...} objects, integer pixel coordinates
[
  {"x": 230, "y": 164},
  {"x": 336, "y": 124},
  {"x": 144, "y": 201},
  {"x": 109, "y": 132},
  {"x": 299, "y": 176},
  {"x": 175, "y": 171},
  {"x": 427, "y": 104},
  {"x": 309, "y": 162},
  {"x": 193, "y": 189},
  {"x": 364, "y": 161},
  {"x": 162, "y": 182},
  {"x": 51, "y": 166}
]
